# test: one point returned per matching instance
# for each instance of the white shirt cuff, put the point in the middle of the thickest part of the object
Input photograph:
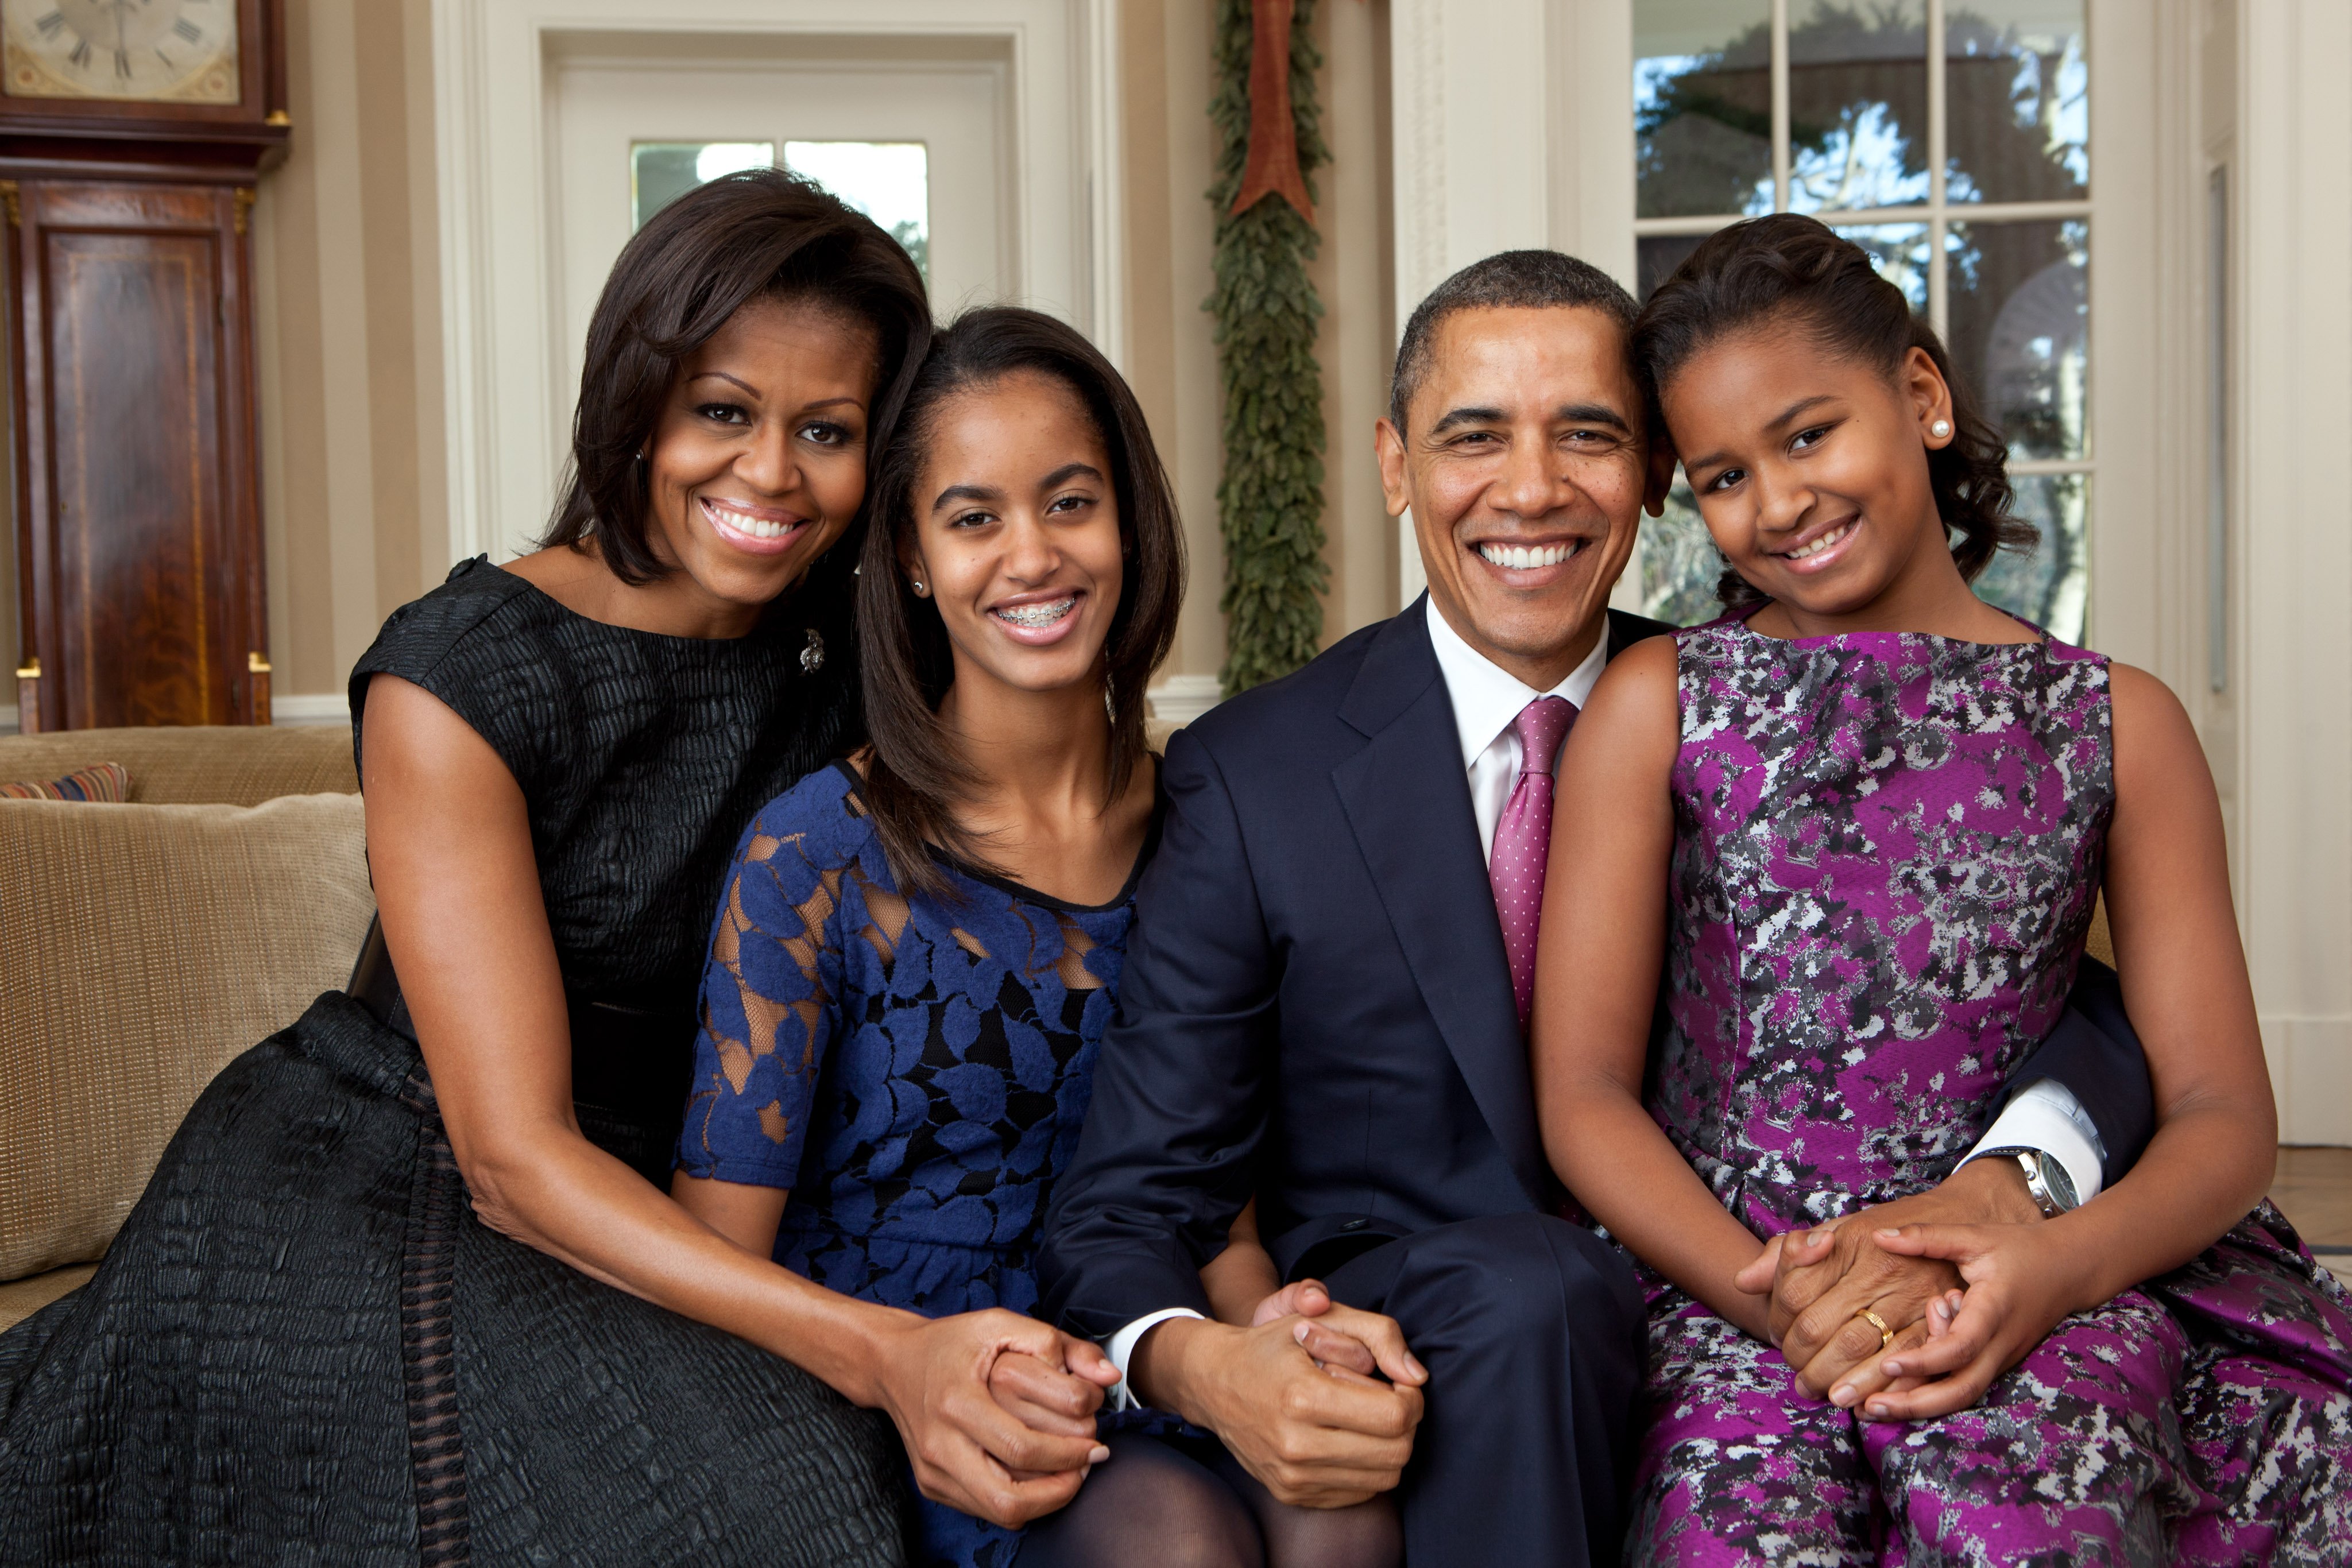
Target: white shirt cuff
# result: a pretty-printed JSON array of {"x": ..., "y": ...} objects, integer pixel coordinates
[
  {"x": 1122, "y": 1345},
  {"x": 2047, "y": 1117}
]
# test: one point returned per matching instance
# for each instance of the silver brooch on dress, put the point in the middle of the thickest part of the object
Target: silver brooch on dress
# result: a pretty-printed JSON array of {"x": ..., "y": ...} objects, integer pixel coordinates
[{"x": 813, "y": 656}]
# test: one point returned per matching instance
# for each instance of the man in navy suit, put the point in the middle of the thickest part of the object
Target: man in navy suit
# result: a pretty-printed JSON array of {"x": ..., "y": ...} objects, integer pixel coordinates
[{"x": 1318, "y": 1009}]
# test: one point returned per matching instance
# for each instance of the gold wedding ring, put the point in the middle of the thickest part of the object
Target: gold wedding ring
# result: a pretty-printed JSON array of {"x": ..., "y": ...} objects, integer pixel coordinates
[{"x": 1885, "y": 1334}]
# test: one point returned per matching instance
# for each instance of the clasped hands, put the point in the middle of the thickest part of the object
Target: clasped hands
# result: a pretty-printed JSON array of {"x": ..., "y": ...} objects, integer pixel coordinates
[
  {"x": 997, "y": 1411},
  {"x": 1968, "y": 1276}
]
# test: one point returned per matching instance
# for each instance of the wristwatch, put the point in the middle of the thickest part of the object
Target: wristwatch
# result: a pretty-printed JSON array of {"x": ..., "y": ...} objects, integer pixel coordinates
[{"x": 2046, "y": 1180}]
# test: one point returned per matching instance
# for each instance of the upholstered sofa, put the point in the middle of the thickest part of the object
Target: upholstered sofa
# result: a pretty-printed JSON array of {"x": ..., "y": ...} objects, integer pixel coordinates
[{"x": 143, "y": 946}]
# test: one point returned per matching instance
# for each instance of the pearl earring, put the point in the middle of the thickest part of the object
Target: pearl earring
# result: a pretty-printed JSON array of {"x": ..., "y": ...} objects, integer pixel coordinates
[{"x": 1940, "y": 429}]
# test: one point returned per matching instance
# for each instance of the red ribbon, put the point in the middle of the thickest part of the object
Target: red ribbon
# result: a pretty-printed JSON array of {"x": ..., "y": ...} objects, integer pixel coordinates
[{"x": 1272, "y": 169}]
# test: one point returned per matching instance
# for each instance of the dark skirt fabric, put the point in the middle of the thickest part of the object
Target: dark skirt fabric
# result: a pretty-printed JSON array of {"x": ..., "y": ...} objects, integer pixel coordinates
[{"x": 304, "y": 1347}]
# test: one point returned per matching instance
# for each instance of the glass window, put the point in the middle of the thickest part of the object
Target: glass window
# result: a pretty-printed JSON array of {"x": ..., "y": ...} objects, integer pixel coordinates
[
  {"x": 1858, "y": 105},
  {"x": 889, "y": 182},
  {"x": 662, "y": 171},
  {"x": 1703, "y": 106},
  {"x": 1983, "y": 217}
]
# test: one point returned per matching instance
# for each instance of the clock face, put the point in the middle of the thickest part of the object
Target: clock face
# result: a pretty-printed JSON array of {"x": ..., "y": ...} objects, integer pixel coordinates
[{"x": 156, "y": 51}]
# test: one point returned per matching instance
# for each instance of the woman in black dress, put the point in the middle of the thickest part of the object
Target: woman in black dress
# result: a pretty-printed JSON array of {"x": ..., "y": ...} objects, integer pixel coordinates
[{"x": 311, "y": 1336}]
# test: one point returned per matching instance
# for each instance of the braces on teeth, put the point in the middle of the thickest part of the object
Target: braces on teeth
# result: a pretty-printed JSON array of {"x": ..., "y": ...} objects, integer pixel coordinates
[{"x": 1036, "y": 617}]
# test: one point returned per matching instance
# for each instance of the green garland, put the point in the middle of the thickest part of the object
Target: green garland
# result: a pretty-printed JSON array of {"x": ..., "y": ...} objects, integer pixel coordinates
[{"x": 1270, "y": 499}]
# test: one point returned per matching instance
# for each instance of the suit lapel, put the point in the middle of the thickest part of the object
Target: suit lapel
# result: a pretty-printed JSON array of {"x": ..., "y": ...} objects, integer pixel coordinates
[{"x": 1407, "y": 799}]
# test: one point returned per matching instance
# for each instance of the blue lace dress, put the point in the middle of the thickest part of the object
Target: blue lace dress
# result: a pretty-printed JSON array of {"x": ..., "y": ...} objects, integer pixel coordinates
[{"x": 914, "y": 1069}]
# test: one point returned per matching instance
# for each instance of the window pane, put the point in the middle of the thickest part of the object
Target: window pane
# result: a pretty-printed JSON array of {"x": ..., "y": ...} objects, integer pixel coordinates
[
  {"x": 1857, "y": 104},
  {"x": 1702, "y": 107},
  {"x": 2018, "y": 91},
  {"x": 662, "y": 171},
  {"x": 2047, "y": 586},
  {"x": 889, "y": 182},
  {"x": 1656, "y": 256},
  {"x": 1900, "y": 251},
  {"x": 1680, "y": 564},
  {"x": 2021, "y": 320}
]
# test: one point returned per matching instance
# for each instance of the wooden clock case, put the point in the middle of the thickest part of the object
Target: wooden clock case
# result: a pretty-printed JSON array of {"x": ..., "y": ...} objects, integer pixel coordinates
[{"x": 130, "y": 327}]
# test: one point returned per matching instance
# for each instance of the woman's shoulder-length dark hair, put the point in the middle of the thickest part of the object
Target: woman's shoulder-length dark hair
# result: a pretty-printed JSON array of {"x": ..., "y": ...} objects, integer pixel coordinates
[
  {"x": 759, "y": 233},
  {"x": 916, "y": 777},
  {"x": 1793, "y": 268}
]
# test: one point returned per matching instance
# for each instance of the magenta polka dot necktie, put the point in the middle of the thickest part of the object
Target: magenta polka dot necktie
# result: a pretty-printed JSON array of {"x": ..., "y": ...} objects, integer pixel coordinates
[{"x": 1523, "y": 840}]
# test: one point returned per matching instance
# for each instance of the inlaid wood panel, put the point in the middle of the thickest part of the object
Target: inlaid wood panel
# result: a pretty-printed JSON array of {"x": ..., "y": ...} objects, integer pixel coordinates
[{"x": 136, "y": 506}]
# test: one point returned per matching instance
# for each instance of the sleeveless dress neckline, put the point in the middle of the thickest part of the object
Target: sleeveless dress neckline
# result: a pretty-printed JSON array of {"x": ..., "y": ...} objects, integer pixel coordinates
[
  {"x": 1740, "y": 619},
  {"x": 1023, "y": 890},
  {"x": 768, "y": 616}
]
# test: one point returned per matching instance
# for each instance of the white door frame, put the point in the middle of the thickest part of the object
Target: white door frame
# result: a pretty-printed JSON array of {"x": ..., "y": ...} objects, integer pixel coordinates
[{"x": 507, "y": 406}]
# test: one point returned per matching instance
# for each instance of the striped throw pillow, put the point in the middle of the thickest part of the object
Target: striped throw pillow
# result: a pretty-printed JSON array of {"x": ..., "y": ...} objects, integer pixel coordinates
[{"x": 106, "y": 784}]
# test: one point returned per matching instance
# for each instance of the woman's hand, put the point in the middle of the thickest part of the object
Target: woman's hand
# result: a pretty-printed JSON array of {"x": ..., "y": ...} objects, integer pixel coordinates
[
  {"x": 936, "y": 1376},
  {"x": 2021, "y": 1282}
]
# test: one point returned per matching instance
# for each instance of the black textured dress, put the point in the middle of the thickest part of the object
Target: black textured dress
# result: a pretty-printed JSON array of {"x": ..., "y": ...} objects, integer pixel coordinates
[{"x": 303, "y": 1347}]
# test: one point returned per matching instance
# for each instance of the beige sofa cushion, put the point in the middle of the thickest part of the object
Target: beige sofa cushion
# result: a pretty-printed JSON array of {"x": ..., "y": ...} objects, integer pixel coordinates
[
  {"x": 232, "y": 765},
  {"x": 141, "y": 948}
]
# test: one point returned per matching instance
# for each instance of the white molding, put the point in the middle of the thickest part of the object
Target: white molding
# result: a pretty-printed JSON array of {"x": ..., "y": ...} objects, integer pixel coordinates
[
  {"x": 324, "y": 708},
  {"x": 1181, "y": 699},
  {"x": 506, "y": 407},
  {"x": 310, "y": 707},
  {"x": 2291, "y": 677},
  {"x": 1103, "y": 155}
]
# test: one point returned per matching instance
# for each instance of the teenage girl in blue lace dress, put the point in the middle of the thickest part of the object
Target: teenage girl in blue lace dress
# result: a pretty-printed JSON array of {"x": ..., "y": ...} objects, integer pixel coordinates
[{"x": 919, "y": 949}]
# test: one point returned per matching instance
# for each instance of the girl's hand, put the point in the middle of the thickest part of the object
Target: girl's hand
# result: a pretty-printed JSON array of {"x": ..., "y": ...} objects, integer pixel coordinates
[
  {"x": 1046, "y": 1398},
  {"x": 1307, "y": 1300},
  {"x": 934, "y": 1377},
  {"x": 2020, "y": 1285}
]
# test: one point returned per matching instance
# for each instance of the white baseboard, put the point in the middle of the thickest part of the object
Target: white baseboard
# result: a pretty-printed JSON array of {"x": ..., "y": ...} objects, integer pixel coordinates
[
  {"x": 1181, "y": 699},
  {"x": 310, "y": 707},
  {"x": 318, "y": 708}
]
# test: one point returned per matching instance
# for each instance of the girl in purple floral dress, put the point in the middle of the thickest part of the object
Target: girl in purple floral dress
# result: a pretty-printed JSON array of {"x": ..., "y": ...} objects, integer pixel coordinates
[{"x": 1860, "y": 824}]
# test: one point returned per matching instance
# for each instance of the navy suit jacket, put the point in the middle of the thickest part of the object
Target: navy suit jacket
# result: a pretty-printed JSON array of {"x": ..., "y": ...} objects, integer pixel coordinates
[{"x": 1316, "y": 1008}]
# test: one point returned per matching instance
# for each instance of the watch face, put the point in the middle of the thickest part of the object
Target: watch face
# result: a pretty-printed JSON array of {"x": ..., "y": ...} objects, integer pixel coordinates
[{"x": 155, "y": 51}]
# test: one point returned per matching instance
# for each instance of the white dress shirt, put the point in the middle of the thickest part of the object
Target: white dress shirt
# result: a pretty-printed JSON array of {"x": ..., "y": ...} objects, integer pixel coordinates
[{"x": 1487, "y": 701}]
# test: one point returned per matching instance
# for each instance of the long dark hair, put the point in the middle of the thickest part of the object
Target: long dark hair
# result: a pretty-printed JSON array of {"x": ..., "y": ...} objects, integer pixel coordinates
[
  {"x": 1793, "y": 268},
  {"x": 917, "y": 776},
  {"x": 759, "y": 233}
]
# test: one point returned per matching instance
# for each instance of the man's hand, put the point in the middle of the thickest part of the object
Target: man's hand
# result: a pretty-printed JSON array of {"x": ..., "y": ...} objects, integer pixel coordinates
[
  {"x": 1818, "y": 1280},
  {"x": 937, "y": 1380},
  {"x": 1316, "y": 1436}
]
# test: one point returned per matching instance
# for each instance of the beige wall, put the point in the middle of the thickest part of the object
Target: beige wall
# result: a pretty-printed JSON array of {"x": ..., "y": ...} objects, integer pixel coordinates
[
  {"x": 347, "y": 270},
  {"x": 1172, "y": 357},
  {"x": 346, "y": 253}
]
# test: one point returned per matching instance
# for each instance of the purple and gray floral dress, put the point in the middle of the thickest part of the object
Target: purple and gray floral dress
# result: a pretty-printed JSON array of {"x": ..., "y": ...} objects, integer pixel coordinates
[{"x": 1888, "y": 847}]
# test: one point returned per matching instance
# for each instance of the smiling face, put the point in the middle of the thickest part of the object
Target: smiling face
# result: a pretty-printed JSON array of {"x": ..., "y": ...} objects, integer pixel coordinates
[
  {"x": 758, "y": 462},
  {"x": 1016, "y": 535},
  {"x": 1525, "y": 464},
  {"x": 1811, "y": 468}
]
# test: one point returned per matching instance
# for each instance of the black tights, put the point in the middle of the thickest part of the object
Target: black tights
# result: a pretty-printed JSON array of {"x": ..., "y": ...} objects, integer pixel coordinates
[{"x": 1176, "y": 1504}]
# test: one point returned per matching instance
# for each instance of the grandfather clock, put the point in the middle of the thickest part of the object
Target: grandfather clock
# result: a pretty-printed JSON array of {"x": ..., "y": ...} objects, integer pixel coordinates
[{"x": 131, "y": 134}]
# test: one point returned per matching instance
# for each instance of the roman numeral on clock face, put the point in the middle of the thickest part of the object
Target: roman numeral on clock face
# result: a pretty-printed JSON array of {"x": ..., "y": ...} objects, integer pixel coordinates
[
  {"x": 51, "y": 24},
  {"x": 188, "y": 30}
]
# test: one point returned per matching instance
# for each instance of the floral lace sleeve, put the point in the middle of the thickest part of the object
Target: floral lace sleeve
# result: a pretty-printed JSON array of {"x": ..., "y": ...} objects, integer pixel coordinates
[{"x": 769, "y": 1011}]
